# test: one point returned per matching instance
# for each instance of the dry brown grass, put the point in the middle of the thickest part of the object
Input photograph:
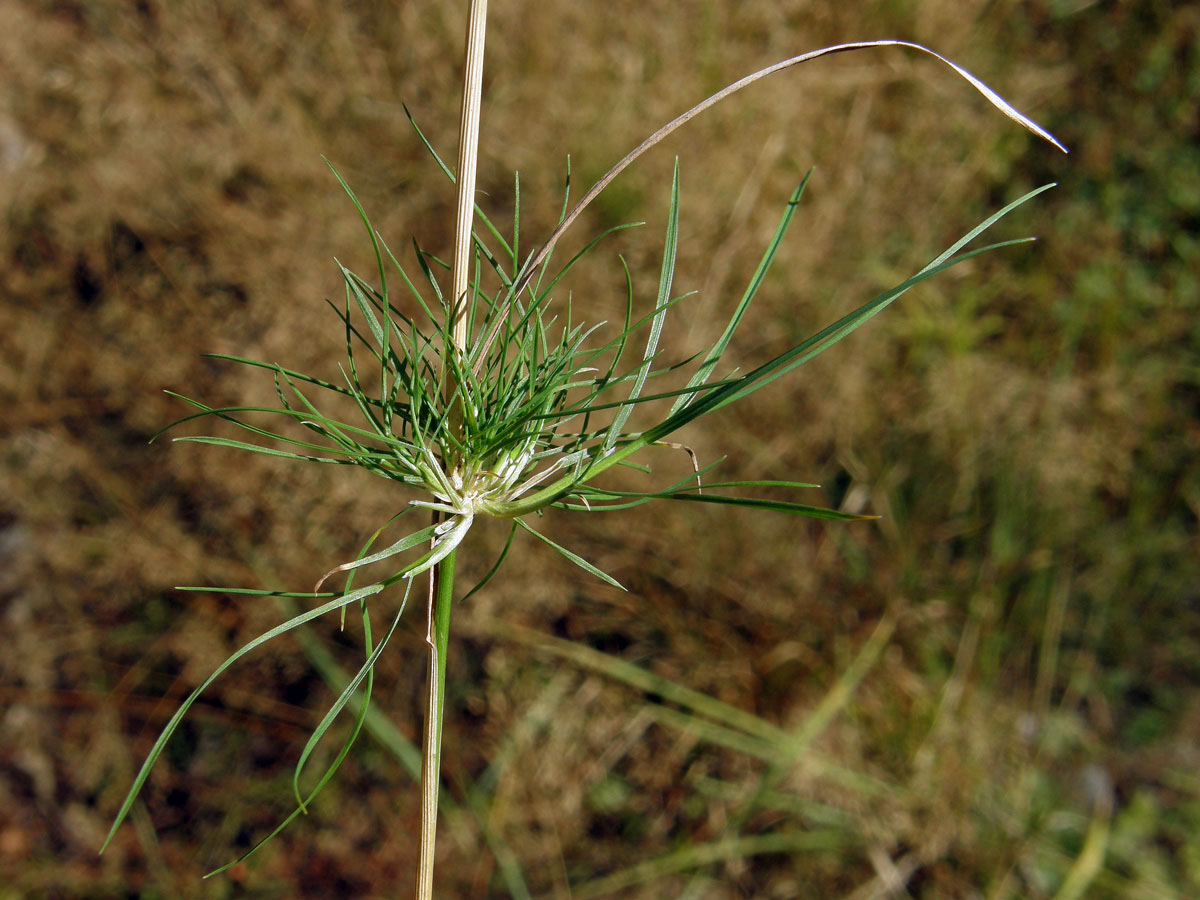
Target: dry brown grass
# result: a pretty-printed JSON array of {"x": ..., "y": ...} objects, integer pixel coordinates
[{"x": 165, "y": 196}]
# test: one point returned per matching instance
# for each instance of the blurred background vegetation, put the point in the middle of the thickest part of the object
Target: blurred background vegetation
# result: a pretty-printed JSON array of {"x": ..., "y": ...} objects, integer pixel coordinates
[{"x": 995, "y": 689}]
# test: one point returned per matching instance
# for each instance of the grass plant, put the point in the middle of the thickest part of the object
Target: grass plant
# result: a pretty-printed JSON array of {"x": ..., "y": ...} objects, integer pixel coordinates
[{"x": 489, "y": 395}]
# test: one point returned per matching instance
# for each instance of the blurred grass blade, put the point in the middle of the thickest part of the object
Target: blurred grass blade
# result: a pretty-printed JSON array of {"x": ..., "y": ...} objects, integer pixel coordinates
[
  {"x": 643, "y": 680},
  {"x": 694, "y": 856}
]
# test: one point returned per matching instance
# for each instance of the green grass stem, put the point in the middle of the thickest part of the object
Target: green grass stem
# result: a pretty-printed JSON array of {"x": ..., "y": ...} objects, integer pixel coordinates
[{"x": 438, "y": 636}]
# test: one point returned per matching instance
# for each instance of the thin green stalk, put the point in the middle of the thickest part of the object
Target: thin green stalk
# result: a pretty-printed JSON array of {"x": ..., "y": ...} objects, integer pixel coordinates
[{"x": 441, "y": 593}]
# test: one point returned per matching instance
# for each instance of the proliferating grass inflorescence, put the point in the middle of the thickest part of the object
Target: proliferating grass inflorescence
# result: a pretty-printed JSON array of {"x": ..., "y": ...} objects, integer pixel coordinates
[{"x": 495, "y": 402}]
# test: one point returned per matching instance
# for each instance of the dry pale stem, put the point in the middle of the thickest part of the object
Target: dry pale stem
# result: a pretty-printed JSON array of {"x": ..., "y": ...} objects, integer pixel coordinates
[
  {"x": 468, "y": 154},
  {"x": 456, "y": 329}
]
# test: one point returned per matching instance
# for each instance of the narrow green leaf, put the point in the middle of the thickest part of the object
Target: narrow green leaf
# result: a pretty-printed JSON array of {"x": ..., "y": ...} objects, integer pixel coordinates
[
  {"x": 330, "y": 770},
  {"x": 265, "y": 451},
  {"x": 491, "y": 573},
  {"x": 764, "y": 265},
  {"x": 344, "y": 698},
  {"x": 573, "y": 557},
  {"x": 782, "y": 506},
  {"x": 405, "y": 543},
  {"x": 801, "y": 353},
  {"x": 364, "y": 307},
  {"x": 366, "y": 223},
  {"x": 173, "y": 723},
  {"x": 661, "y": 304}
]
